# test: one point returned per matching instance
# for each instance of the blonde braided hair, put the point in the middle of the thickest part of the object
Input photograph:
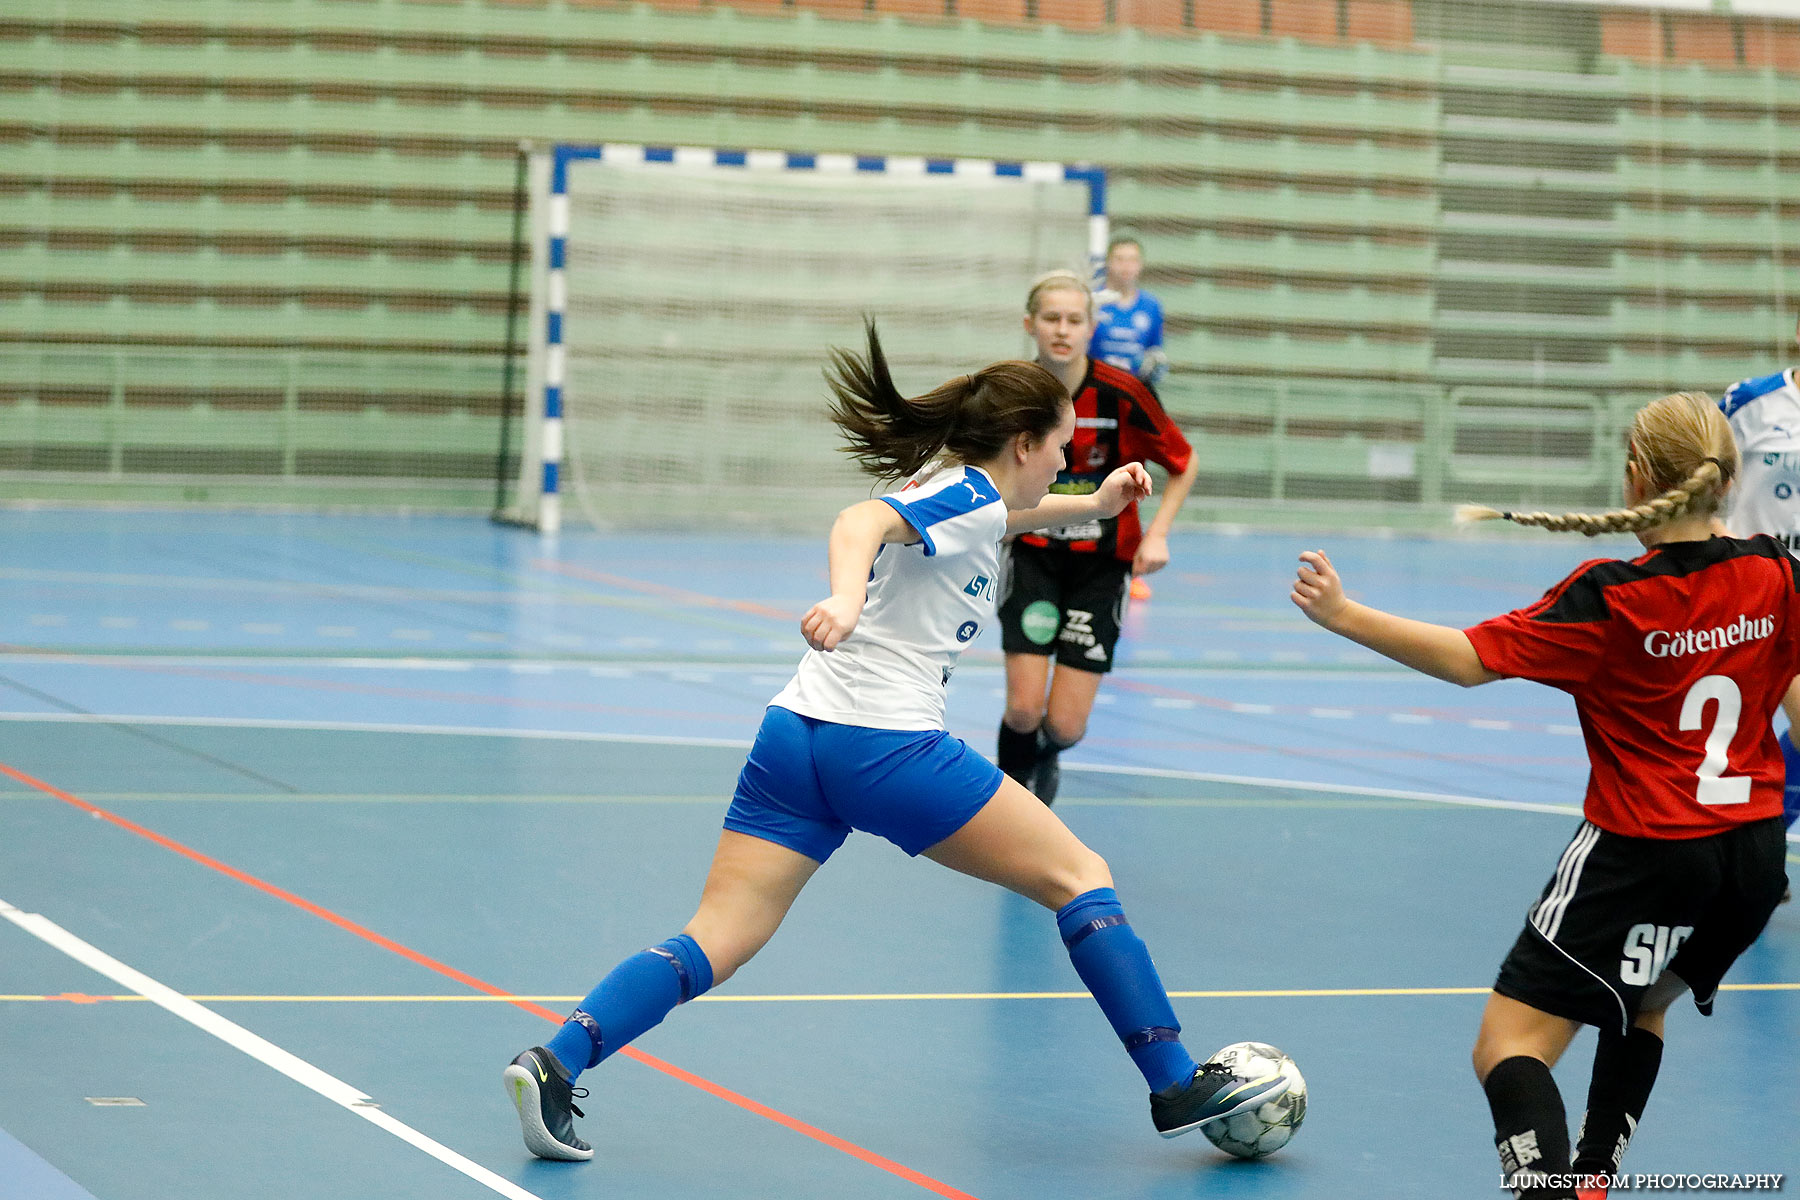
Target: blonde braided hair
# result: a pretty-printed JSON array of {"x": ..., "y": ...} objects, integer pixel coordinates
[{"x": 1681, "y": 446}]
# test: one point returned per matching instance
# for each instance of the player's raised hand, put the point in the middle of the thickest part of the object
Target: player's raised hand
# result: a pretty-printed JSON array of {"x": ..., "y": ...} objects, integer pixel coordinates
[
  {"x": 1126, "y": 484},
  {"x": 1317, "y": 589},
  {"x": 830, "y": 621}
]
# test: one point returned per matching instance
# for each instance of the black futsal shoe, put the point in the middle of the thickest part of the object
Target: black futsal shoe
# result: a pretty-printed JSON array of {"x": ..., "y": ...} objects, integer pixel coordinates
[
  {"x": 539, "y": 1088},
  {"x": 1046, "y": 777},
  {"x": 1211, "y": 1095}
]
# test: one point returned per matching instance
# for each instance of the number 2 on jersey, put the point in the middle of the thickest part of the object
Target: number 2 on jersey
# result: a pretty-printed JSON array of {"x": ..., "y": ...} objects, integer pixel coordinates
[{"x": 1716, "y": 788}]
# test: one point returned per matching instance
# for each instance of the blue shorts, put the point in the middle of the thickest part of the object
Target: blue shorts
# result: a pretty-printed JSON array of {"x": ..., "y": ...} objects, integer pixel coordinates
[{"x": 808, "y": 783}]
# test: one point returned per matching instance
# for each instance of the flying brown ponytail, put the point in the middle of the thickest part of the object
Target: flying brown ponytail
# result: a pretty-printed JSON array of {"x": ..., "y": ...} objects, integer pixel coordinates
[{"x": 970, "y": 418}]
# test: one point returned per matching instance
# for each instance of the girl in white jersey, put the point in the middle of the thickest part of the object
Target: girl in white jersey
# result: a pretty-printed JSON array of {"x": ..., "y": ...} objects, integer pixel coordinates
[
  {"x": 1765, "y": 419},
  {"x": 857, "y": 741}
]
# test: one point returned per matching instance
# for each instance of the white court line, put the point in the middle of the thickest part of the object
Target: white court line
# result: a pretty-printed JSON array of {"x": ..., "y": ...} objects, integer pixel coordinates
[
  {"x": 555, "y": 735},
  {"x": 1339, "y": 788},
  {"x": 981, "y": 662},
  {"x": 262, "y": 1050},
  {"x": 650, "y": 739}
]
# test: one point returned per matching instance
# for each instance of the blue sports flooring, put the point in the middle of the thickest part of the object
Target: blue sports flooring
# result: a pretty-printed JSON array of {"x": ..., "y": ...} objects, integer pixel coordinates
[{"x": 357, "y": 801}]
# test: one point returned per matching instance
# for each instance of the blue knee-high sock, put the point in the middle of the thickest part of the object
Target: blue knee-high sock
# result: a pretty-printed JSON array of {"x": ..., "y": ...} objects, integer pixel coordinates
[
  {"x": 1790, "y": 807},
  {"x": 635, "y": 996},
  {"x": 1114, "y": 963}
]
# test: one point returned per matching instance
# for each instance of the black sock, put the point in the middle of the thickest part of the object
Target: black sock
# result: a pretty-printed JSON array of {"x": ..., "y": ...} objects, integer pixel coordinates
[
  {"x": 1046, "y": 781},
  {"x": 1017, "y": 752},
  {"x": 1530, "y": 1127},
  {"x": 1048, "y": 747},
  {"x": 1625, "y": 1067}
]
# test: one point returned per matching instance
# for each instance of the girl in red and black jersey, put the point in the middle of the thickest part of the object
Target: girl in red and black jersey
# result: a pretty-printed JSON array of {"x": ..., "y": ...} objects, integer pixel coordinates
[
  {"x": 1677, "y": 661},
  {"x": 1063, "y": 590}
]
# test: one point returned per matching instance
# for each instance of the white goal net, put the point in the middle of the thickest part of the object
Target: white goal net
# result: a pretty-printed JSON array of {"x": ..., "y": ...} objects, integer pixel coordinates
[{"x": 689, "y": 298}]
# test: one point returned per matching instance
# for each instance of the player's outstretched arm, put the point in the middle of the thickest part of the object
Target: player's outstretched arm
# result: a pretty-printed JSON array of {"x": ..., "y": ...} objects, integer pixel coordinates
[
  {"x": 1153, "y": 551},
  {"x": 1436, "y": 650},
  {"x": 1126, "y": 484},
  {"x": 856, "y": 537}
]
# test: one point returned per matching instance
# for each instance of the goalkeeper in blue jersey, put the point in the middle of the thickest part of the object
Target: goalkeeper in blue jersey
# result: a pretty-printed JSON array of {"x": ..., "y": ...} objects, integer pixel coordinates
[
  {"x": 857, "y": 741},
  {"x": 1128, "y": 329}
]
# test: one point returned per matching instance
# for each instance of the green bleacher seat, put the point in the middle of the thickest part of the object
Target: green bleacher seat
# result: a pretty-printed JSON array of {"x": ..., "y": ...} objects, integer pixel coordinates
[
  {"x": 461, "y": 228},
  {"x": 1296, "y": 255},
  {"x": 245, "y": 183},
  {"x": 1761, "y": 135},
  {"x": 1284, "y": 204},
  {"x": 1315, "y": 307},
  {"x": 1215, "y": 350},
  {"x": 1695, "y": 273},
  {"x": 1691, "y": 82},
  {"x": 233, "y": 320}
]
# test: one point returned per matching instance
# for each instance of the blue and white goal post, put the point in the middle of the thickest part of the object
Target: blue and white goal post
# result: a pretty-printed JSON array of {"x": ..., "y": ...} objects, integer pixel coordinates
[{"x": 683, "y": 302}]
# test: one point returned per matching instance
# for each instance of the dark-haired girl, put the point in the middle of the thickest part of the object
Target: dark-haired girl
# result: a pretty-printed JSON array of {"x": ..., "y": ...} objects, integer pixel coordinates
[{"x": 857, "y": 741}]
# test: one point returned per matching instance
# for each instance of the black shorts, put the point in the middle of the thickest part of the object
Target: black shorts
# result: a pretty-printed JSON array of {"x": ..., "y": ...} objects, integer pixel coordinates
[
  {"x": 1063, "y": 602},
  {"x": 1621, "y": 909}
]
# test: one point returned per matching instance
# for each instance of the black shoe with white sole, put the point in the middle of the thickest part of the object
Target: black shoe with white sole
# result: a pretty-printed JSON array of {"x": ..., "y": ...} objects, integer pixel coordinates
[
  {"x": 1211, "y": 1095},
  {"x": 539, "y": 1088}
]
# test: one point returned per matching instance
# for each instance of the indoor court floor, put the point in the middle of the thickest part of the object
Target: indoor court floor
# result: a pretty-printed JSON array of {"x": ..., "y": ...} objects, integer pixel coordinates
[{"x": 311, "y": 823}]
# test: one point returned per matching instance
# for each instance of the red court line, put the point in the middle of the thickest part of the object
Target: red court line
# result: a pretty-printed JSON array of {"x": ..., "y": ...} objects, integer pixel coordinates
[
  {"x": 470, "y": 981},
  {"x": 663, "y": 591}
]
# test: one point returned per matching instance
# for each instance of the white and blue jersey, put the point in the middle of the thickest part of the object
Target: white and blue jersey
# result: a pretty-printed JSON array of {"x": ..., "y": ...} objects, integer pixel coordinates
[
  {"x": 1765, "y": 419},
  {"x": 1123, "y": 333},
  {"x": 926, "y": 602}
]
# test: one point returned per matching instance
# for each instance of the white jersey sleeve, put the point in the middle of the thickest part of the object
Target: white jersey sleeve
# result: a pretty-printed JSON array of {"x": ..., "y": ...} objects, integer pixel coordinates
[
  {"x": 927, "y": 600},
  {"x": 948, "y": 510},
  {"x": 1764, "y": 414}
]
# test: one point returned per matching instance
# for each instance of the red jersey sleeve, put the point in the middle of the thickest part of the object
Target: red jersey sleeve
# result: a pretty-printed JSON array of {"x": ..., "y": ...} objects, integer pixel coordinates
[
  {"x": 1147, "y": 431},
  {"x": 1793, "y": 598},
  {"x": 1560, "y": 640}
]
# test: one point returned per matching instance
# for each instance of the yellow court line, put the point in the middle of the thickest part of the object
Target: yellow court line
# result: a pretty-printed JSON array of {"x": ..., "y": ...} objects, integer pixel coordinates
[{"x": 474, "y": 998}]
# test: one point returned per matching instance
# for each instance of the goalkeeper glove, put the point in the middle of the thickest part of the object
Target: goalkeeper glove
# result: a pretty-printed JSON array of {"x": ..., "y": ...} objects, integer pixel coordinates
[{"x": 1154, "y": 366}]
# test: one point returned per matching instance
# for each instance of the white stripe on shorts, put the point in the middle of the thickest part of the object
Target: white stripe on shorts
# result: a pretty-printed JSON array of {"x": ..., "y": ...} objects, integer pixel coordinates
[{"x": 1548, "y": 914}]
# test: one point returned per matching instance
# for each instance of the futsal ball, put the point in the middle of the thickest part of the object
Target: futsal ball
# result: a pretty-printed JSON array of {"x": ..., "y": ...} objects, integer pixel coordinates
[{"x": 1267, "y": 1127}]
